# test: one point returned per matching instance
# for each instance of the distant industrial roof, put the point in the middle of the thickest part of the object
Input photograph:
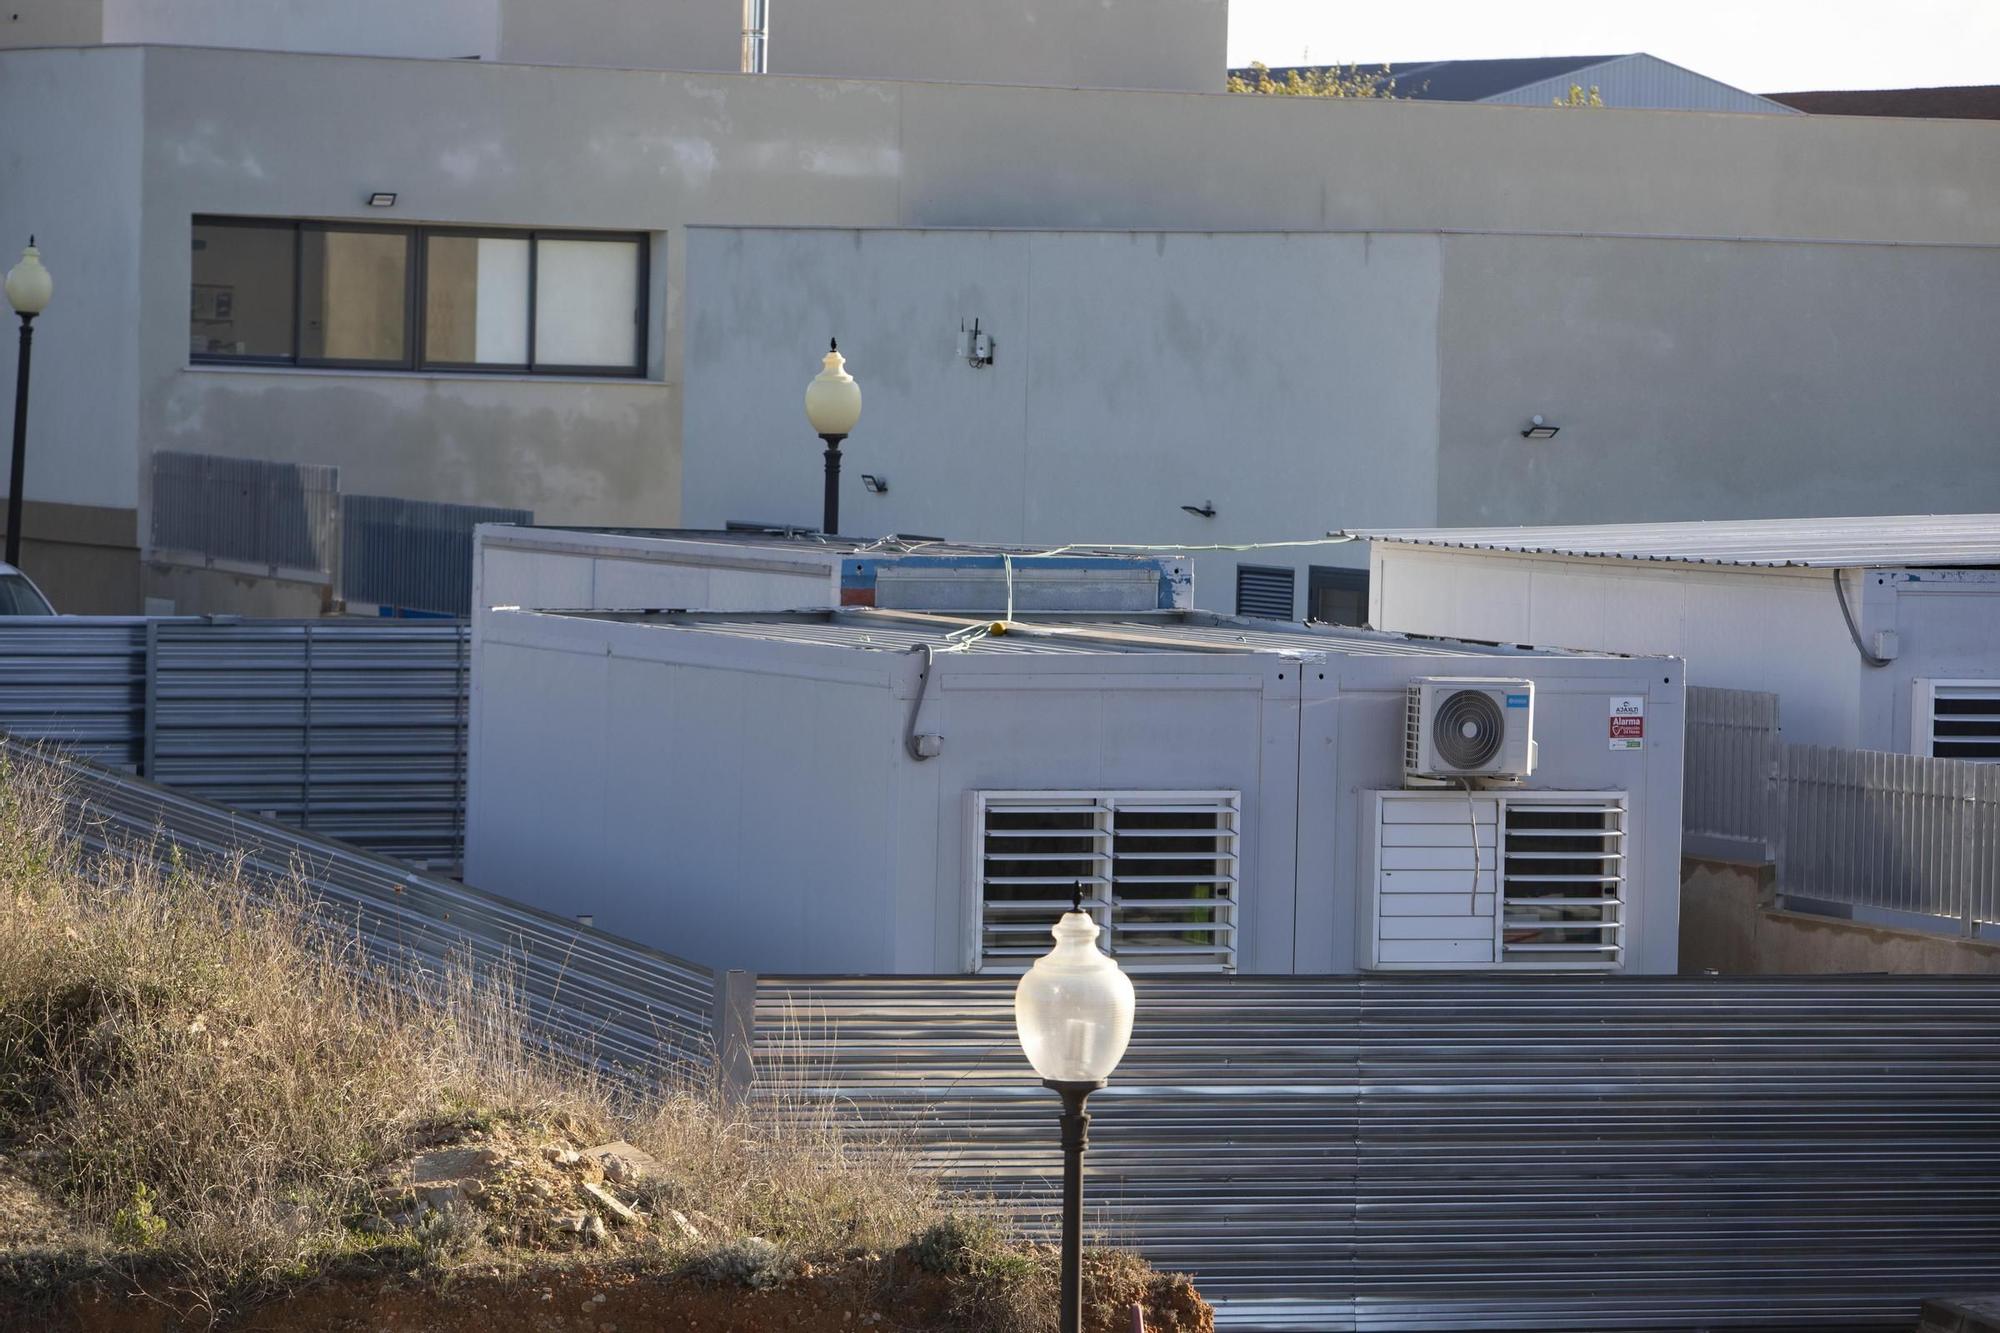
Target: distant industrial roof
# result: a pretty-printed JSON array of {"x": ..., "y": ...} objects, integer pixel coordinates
[
  {"x": 1471, "y": 80},
  {"x": 1814, "y": 543},
  {"x": 1166, "y": 632},
  {"x": 1968, "y": 102}
]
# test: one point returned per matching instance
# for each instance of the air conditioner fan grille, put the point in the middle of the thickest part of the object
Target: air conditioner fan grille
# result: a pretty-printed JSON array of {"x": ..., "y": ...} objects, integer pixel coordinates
[{"x": 1468, "y": 729}]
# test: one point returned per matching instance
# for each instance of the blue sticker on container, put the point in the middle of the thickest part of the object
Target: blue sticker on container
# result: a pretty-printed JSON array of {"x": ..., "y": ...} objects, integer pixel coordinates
[{"x": 1517, "y": 701}]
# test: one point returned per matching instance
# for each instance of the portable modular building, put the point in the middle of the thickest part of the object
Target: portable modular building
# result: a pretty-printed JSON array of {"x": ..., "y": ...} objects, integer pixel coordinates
[
  {"x": 1874, "y": 633},
  {"x": 887, "y": 792},
  {"x": 647, "y": 569}
]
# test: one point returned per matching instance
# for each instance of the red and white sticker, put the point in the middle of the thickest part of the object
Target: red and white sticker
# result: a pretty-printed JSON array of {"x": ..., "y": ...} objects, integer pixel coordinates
[{"x": 1628, "y": 722}]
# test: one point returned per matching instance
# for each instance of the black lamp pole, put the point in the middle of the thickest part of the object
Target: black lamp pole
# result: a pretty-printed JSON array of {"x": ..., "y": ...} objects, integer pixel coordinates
[
  {"x": 1075, "y": 1138},
  {"x": 20, "y": 443},
  {"x": 830, "y": 515}
]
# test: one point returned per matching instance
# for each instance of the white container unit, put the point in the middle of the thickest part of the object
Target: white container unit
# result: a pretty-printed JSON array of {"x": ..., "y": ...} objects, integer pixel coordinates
[
  {"x": 1750, "y": 605},
  {"x": 628, "y": 569},
  {"x": 883, "y": 792}
]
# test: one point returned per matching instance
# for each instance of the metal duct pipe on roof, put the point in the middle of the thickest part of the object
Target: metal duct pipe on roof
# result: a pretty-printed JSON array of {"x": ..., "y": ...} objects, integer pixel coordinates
[{"x": 756, "y": 36}]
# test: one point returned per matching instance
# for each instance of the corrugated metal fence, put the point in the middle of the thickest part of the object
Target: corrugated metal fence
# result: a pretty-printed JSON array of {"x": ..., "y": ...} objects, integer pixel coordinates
[
  {"x": 1461, "y": 1153},
  {"x": 1732, "y": 759},
  {"x": 355, "y": 728},
  {"x": 1898, "y": 832},
  {"x": 631, "y": 1009}
]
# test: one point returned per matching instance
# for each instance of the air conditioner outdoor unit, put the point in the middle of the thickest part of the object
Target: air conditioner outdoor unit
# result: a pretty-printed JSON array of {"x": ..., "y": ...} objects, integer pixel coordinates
[{"x": 1465, "y": 727}]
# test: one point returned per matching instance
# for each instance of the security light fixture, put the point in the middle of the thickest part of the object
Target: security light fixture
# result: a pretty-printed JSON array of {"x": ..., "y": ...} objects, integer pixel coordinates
[
  {"x": 1539, "y": 429},
  {"x": 1206, "y": 509},
  {"x": 1073, "y": 1011},
  {"x": 382, "y": 199},
  {"x": 874, "y": 483}
]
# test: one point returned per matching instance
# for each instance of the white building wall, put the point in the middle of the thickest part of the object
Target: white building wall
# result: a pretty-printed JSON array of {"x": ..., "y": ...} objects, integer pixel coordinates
[
  {"x": 435, "y": 29},
  {"x": 1645, "y": 82}
]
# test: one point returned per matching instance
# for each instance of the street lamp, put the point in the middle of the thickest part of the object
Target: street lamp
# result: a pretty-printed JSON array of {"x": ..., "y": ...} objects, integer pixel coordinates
[
  {"x": 833, "y": 405},
  {"x": 1074, "y": 1013},
  {"x": 29, "y": 288}
]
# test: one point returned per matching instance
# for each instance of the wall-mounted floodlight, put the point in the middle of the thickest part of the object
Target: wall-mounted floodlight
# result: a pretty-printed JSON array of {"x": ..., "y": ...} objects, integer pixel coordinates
[
  {"x": 1539, "y": 429},
  {"x": 1206, "y": 509},
  {"x": 875, "y": 483},
  {"x": 382, "y": 199}
]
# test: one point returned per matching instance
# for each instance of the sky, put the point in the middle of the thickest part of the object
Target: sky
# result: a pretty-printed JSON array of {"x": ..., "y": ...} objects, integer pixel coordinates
[{"x": 1761, "y": 45}]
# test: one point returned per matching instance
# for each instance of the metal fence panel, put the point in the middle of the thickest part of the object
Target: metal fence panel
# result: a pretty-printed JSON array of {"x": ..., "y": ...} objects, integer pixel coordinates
[
  {"x": 1895, "y": 832},
  {"x": 630, "y": 1009},
  {"x": 355, "y": 729},
  {"x": 1732, "y": 763},
  {"x": 252, "y": 510},
  {"x": 412, "y": 554},
  {"x": 1461, "y": 1153},
  {"x": 75, "y": 682}
]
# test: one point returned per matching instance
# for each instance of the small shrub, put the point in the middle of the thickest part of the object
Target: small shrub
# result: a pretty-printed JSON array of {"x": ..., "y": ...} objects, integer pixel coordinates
[
  {"x": 136, "y": 1224},
  {"x": 749, "y": 1261}
]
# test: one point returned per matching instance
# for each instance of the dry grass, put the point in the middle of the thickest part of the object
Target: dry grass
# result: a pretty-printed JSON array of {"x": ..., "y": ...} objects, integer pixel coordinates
[{"x": 208, "y": 1076}]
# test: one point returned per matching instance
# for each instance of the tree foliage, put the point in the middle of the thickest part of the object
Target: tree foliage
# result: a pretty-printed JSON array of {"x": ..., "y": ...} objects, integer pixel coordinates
[
  {"x": 1316, "y": 81},
  {"x": 1580, "y": 96}
]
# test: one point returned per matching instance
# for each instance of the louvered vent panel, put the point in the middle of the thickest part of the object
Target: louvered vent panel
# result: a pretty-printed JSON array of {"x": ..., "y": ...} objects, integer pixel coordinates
[
  {"x": 1159, "y": 870},
  {"x": 1264, "y": 591},
  {"x": 1964, "y": 718},
  {"x": 1563, "y": 887}
]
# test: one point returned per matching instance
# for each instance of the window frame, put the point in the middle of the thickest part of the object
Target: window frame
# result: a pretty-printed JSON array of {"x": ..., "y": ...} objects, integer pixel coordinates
[
  {"x": 416, "y": 292},
  {"x": 1339, "y": 578}
]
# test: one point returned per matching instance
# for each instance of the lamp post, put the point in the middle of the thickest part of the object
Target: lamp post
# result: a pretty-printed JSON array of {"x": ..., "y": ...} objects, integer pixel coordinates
[
  {"x": 833, "y": 405},
  {"x": 29, "y": 288},
  {"x": 1073, "y": 1011}
]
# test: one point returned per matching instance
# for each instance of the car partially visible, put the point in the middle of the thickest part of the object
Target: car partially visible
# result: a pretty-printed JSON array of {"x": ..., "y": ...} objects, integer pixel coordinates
[{"x": 19, "y": 596}]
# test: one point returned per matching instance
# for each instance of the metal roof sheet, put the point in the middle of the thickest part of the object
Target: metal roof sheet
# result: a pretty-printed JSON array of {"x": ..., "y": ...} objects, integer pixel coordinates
[
  {"x": 891, "y": 631},
  {"x": 1807, "y": 543}
]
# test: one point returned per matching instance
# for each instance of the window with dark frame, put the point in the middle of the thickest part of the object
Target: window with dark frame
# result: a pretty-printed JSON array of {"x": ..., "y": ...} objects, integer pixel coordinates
[
  {"x": 1336, "y": 596},
  {"x": 280, "y": 292}
]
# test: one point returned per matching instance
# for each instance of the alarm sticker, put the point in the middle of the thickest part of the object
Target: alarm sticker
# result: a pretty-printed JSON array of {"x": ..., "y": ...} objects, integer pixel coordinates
[{"x": 1628, "y": 721}]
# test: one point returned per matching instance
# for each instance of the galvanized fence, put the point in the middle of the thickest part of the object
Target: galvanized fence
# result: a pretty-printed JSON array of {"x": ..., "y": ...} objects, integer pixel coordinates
[
  {"x": 1892, "y": 832},
  {"x": 247, "y": 511},
  {"x": 1469, "y": 1153},
  {"x": 354, "y": 728},
  {"x": 1732, "y": 760},
  {"x": 593, "y": 996}
]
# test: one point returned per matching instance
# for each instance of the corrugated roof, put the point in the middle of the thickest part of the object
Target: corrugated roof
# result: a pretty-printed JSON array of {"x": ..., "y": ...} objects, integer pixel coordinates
[
  {"x": 1812, "y": 543},
  {"x": 894, "y": 631},
  {"x": 1968, "y": 102}
]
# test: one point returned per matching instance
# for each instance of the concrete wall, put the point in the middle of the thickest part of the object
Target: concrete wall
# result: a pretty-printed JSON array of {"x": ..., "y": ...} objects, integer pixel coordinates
[
  {"x": 1729, "y": 926},
  {"x": 292, "y": 135},
  {"x": 52, "y": 23},
  {"x": 69, "y": 173},
  {"x": 631, "y": 34},
  {"x": 441, "y": 29},
  {"x": 1133, "y": 374},
  {"x": 84, "y": 559},
  {"x": 1716, "y": 379},
  {"x": 1161, "y": 44}
]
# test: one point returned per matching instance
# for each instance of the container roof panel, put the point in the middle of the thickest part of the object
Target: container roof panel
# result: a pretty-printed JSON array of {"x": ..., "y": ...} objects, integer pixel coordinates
[
  {"x": 1168, "y": 632},
  {"x": 1772, "y": 543}
]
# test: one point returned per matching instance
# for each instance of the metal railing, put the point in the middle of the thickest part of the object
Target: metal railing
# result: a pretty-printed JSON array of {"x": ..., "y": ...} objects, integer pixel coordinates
[
  {"x": 1732, "y": 759},
  {"x": 1467, "y": 1152},
  {"x": 1894, "y": 832},
  {"x": 249, "y": 511},
  {"x": 355, "y": 728},
  {"x": 630, "y": 1010}
]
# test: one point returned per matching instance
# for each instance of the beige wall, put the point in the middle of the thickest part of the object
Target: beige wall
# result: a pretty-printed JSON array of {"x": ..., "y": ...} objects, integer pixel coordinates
[
  {"x": 1728, "y": 926},
  {"x": 84, "y": 558}
]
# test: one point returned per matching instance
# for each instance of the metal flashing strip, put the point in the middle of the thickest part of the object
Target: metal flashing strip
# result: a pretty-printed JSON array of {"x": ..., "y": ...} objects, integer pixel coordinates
[
  {"x": 1871, "y": 542},
  {"x": 591, "y": 996}
]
